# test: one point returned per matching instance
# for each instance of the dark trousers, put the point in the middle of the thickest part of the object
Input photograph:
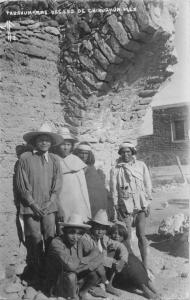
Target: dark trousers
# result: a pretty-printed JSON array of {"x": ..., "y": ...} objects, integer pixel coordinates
[
  {"x": 38, "y": 234},
  {"x": 62, "y": 283}
]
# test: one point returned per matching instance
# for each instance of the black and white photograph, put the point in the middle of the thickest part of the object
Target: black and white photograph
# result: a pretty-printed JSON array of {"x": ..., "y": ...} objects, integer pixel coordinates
[{"x": 95, "y": 149}]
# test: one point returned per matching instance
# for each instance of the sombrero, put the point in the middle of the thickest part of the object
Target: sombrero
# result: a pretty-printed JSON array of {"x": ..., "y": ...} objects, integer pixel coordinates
[
  {"x": 75, "y": 220},
  {"x": 66, "y": 135},
  {"x": 44, "y": 129},
  {"x": 101, "y": 218}
]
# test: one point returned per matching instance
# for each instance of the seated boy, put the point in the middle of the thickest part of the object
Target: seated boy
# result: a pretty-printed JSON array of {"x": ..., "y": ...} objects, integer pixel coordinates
[
  {"x": 71, "y": 263},
  {"x": 106, "y": 246}
]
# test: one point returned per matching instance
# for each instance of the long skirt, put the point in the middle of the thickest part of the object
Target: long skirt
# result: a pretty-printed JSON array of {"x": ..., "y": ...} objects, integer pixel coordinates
[{"x": 73, "y": 197}]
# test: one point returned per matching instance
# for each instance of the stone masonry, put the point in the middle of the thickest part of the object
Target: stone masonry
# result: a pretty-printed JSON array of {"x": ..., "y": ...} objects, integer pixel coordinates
[{"x": 159, "y": 148}]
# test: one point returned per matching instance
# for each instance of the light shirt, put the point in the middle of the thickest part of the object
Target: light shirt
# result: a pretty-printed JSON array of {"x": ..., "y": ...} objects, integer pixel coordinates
[
  {"x": 44, "y": 155},
  {"x": 131, "y": 184}
]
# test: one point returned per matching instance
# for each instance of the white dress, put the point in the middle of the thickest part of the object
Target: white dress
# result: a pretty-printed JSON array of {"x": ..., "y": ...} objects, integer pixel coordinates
[{"x": 73, "y": 197}]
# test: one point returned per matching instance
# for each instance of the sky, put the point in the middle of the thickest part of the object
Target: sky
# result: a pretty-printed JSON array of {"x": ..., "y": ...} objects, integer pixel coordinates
[{"x": 177, "y": 89}]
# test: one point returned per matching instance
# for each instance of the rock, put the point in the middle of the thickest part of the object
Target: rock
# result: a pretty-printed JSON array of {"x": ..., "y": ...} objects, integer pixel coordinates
[
  {"x": 19, "y": 269},
  {"x": 16, "y": 26},
  {"x": 145, "y": 101},
  {"x": 1, "y": 52},
  {"x": 30, "y": 293},
  {"x": 107, "y": 51},
  {"x": 2, "y": 275},
  {"x": 184, "y": 275},
  {"x": 88, "y": 63},
  {"x": 88, "y": 45},
  {"x": 120, "y": 51},
  {"x": 61, "y": 19},
  {"x": 143, "y": 19},
  {"x": 40, "y": 296},
  {"x": 84, "y": 26},
  {"x": 105, "y": 29},
  {"x": 30, "y": 50},
  {"x": 131, "y": 25},
  {"x": 138, "y": 107},
  {"x": 23, "y": 41},
  {"x": 91, "y": 80},
  {"x": 45, "y": 18},
  {"x": 68, "y": 59},
  {"x": 147, "y": 93},
  {"x": 52, "y": 23},
  {"x": 10, "y": 271},
  {"x": 35, "y": 26},
  {"x": 43, "y": 94},
  {"x": 27, "y": 22},
  {"x": 155, "y": 79},
  {"x": 164, "y": 204},
  {"x": 101, "y": 59},
  {"x": 118, "y": 30},
  {"x": 109, "y": 3},
  {"x": 79, "y": 81},
  {"x": 2, "y": 272},
  {"x": 24, "y": 283},
  {"x": 169, "y": 71},
  {"x": 141, "y": 113},
  {"x": 13, "y": 288},
  {"x": 52, "y": 30},
  {"x": 40, "y": 36},
  {"x": 3, "y": 298}
]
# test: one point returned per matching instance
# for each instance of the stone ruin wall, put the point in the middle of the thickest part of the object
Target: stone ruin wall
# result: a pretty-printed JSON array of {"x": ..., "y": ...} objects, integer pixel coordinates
[{"x": 95, "y": 72}]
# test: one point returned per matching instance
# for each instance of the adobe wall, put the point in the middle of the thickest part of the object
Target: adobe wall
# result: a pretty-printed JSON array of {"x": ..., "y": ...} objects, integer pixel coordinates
[{"x": 159, "y": 148}]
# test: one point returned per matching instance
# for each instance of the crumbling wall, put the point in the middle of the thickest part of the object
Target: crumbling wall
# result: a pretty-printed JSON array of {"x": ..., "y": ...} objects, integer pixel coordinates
[{"x": 111, "y": 65}]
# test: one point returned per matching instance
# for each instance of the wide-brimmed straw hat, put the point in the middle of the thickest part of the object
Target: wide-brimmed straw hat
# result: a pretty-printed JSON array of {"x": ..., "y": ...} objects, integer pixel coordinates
[
  {"x": 76, "y": 221},
  {"x": 66, "y": 135},
  {"x": 101, "y": 218},
  {"x": 44, "y": 129}
]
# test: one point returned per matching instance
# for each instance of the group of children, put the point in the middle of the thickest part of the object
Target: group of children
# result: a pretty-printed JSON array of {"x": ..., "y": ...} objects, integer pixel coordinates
[{"x": 116, "y": 266}]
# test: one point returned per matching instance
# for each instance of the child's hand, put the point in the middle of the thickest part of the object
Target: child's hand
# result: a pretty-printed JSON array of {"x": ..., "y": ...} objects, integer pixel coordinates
[
  {"x": 147, "y": 211},
  {"x": 118, "y": 266},
  {"x": 111, "y": 248}
]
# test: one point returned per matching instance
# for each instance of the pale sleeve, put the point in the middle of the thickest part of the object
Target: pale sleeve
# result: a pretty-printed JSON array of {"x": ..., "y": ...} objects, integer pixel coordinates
[
  {"x": 147, "y": 181},
  {"x": 117, "y": 246},
  {"x": 114, "y": 186}
]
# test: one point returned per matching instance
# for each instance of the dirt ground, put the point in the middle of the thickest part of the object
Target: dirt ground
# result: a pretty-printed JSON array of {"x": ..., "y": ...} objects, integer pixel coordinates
[{"x": 171, "y": 272}]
